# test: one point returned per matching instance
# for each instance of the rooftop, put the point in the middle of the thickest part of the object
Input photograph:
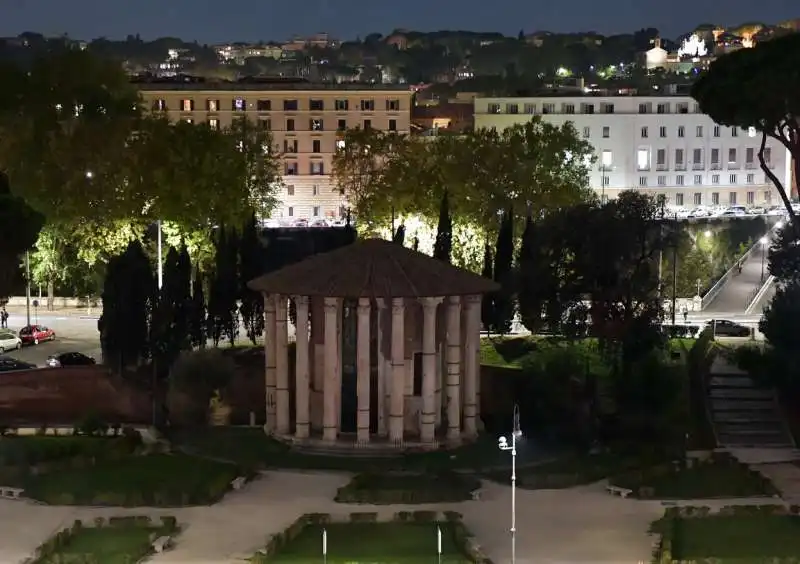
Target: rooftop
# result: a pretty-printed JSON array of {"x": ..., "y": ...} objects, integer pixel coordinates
[
  {"x": 184, "y": 83},
  {"x": 372, "y": 268}
]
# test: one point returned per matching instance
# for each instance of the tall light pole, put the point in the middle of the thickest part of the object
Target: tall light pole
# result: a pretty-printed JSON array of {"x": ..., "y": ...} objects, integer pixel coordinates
[
  {"x": 764, "y": 241},
  {"x": 27, "y": 288},
  {"x": 502, "y": 444}
]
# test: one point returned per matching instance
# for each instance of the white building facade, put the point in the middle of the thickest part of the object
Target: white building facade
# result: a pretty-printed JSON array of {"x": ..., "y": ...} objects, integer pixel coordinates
[{"x": 661, "y": 145}]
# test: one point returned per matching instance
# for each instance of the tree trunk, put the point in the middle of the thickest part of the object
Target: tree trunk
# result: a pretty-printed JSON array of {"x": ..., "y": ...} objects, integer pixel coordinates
[{"x": 51, "y": 290}]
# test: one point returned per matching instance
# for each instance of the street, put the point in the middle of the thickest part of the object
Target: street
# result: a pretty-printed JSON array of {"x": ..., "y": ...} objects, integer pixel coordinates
[{"x": 73, "y": 334}]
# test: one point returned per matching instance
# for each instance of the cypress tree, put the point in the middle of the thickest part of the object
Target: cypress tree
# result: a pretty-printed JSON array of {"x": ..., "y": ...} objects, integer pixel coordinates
[
  {"x": 399, "y": 236},
  {"x": 251, "y": 261},
  {"x": 197, "y": 313},
  {"x": 487, "y": 305},
  {"x": 529, "y": 280},
  {"x": 443, "y": 246},
  {"x": 503, "y": 308}
]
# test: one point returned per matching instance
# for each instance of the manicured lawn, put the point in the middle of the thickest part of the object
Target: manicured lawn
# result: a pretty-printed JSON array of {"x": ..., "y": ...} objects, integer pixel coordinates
[
  {"x": 740, "y": 538},
  {"x": 718, "y": 478},
  {"x": 157, "y": 479},
  {"x": 109, "y": 545},
  {"x": 251, "y": 448},
  {"x": 375, "y": 543},
  {"x": 407, "y": 488}
]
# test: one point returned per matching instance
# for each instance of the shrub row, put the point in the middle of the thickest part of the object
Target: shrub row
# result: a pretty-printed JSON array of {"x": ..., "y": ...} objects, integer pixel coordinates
[
  {"x": 28, "y": 451},
  {"x": 388, "y": 489},
  {"x": 50, "y": 552},
  {"x": 206, "y": 495}
]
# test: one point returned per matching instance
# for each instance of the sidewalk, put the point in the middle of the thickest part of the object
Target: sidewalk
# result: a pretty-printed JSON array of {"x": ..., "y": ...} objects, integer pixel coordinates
[{"x": 69, "y": 311}]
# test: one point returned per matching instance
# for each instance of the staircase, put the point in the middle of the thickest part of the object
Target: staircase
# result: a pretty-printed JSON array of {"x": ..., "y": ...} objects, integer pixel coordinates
[{"x": 744, "y": 415}]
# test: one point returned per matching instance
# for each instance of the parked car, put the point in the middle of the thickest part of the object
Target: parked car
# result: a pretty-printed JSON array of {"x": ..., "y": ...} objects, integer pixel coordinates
[
  {"x": 756, "y": 210},
  {"x": 69, "y": 359},
  {"x": 9, "y": 341},
  {"x": 35, "y": 334},
  {"x": 725, "y": 328},
  {"x": 11, "y": 364}
]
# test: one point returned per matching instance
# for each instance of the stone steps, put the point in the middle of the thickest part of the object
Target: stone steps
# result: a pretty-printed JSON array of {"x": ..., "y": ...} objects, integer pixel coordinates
[
  {"x": 740, "y": 393},
  {"x": 727, "y": 404},
  {"x": 747, "y": 417},
  {"x": 731, "y": 382}
]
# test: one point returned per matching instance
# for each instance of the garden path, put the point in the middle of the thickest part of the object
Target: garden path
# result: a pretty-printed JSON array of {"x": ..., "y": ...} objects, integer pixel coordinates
[{"x": 580, "y": 525}]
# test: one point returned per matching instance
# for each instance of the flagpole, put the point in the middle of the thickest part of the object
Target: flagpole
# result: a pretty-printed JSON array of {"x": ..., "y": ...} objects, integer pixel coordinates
[
  {"x": 439, "y": 542},
  {"x": 324, "y": 546}
]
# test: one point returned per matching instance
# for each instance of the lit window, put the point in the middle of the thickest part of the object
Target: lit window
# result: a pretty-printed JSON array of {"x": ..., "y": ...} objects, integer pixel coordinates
[
  {"x": 239, "y": 104},
  {"x": 643, "y": 159},
  {"x": 751, "y": 131},
  {"x": 340, "y": 143},
  {"x": 605, "y": 159},
  {"x": 187, "y": 105}
]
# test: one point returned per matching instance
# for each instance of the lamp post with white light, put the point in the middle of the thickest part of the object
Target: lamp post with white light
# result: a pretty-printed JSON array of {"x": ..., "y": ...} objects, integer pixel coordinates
[{"x": 502, "y": 444}]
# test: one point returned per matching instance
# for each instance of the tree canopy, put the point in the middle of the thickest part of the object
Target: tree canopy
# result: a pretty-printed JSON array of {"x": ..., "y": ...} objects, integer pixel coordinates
[
  {"x": 535, "y": 165},
  {"x": 758, "y": 88},
  {"x": 19, "y": 227}
]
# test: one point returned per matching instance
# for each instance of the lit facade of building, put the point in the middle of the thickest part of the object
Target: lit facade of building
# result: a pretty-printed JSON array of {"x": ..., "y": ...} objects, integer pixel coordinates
[
  {"x": 307, "y": 122},
  {"x": 661, "y": 145}
]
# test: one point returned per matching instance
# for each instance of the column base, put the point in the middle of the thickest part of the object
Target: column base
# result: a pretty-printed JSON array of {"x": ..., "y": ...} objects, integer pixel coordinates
[
  {"x": 268, "y": 430},
  {"x": 302, "y": 431},
  {"x": 329, "y": 435},
  {"x": 454, "y": 440}
]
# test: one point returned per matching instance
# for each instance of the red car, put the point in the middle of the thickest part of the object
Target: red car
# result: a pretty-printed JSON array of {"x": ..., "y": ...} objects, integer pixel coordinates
[{"x": 35, "y": 334}]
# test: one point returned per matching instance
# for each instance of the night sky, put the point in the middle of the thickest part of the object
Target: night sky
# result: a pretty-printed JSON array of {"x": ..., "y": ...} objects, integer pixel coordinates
[{"x": 210, "y": 21}]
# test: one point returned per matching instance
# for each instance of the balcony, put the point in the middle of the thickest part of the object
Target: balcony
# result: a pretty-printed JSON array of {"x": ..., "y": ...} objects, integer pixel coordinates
[
  {"x": 698, "y": 166},
  {"x": 662, "y": 167},
  {"x": 680, "y": 166},
  {"x": 715, "y": 166},
  {"x": 733, "y": 166},
  {"x": 750, "y": 166}
]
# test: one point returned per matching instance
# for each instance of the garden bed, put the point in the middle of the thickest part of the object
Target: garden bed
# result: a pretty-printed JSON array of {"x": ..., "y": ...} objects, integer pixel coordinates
[
  {"x": 121, "y": 540},
  {"x": 568, "y": 471},
  {"x": 737, "y": 534},
  {"x": 719, "y": 477},
  {"x": 410, "y": 538},
  {"x": 156, "y": 480},
  {"x": 390, "y": 488}
]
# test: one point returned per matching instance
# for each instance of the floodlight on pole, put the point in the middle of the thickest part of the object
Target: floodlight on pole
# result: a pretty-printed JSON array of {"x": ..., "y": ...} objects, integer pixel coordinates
[{"x": 502, "y": 444}]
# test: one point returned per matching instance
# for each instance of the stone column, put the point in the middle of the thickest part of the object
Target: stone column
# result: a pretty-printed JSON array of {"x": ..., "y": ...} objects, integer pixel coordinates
[
  {"x": 381, "y": 361},
  {"x": 301, "y": 369},
  {"x": 329, "y": 411},
  {"x": 428, "y": 418},
  {"x": 269, "y": 359},
  {"x": 471, "y": 371},
  {"x": 398, "y": 382},
  {"x": 438, "y": 392},
  {"x": 282, "y": 364},
  {"x": 363, "y": 370},
  {"x": 453, "y": 368}
]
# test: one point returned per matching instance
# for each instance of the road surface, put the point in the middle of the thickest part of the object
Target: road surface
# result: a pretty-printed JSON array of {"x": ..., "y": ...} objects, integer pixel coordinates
[
  {"x": 740, "y": 288},
  {"x": 73, "y": 334}
]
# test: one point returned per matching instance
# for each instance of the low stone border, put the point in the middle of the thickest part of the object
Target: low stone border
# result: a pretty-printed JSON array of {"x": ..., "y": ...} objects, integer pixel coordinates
[
  {"x": 49, "y": 549},
  {"x": 664, "y": 527},
  {"x": 449, "y": 487},
  {"x": 472, "y": 550}
]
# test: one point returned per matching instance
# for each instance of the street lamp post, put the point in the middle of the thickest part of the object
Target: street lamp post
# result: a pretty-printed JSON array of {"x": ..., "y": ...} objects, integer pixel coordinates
[
  {"x": 502, "y": 444},
  {"x": 764, "y": 242}
]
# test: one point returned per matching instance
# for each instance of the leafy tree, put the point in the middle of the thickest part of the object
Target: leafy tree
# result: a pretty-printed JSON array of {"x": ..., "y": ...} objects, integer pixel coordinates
[
  {"x": 487, "y": 304},
  {"x": 197, "y": 313},
  {"x": 503, "y": 306},
  {"x": 19, "y": 228},
  {"x": 251, "y": 261},
  {"x": 758, "y": 88},
  {"x": 784, "y": 256},
  {"x": 779, "y": 327},
  {"x": 444, "y": 232},
  {"x": 129, "y": 294}
]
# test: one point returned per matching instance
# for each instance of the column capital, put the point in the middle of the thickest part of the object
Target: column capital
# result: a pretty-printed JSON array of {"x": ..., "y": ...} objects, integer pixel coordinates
[
  {"x": 398, "y": 305},
  {"x": 269, "y": 303},
  {"x": 380, "y": 302},
  {"x": 331, "y": 305},
  {"x": 454, "y": 300},
  {"x": 431, "y": 302},
  {"x": 473, "y": 300},
  {"x": 301, "y": 300},
  {"x": 363, "y": 306}
]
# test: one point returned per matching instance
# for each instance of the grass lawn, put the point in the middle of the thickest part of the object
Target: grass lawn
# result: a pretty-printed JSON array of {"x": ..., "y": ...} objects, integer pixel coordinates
[
  {"x": 251, "y": 448},
  {"x": 740, "y": 538},
  {"x": 375, "y": 543},
  {"x": 719, "y": 478},
  {"x": 109, "y": 545},
  {"x": 160, "y": 479},
  {"x": 391, "y": 487}
]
